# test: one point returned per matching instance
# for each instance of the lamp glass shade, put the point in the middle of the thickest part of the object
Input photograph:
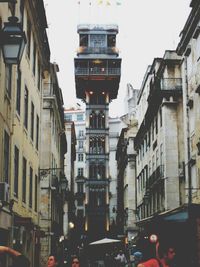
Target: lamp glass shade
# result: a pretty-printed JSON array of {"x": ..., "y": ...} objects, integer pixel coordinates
[
  {"x": 63, "y": 183},
  {"x": 13, "y": 41}
]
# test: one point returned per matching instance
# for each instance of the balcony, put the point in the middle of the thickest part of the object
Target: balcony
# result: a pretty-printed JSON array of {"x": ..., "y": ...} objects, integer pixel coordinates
[
  {"x": 171, "y": 84},
  {"x": 159, "y": 87},
  {"x": 97, "y": 50},
  {"x": 85, "y": 71},
  {"x": 156, "y": 176},
  {"x": 99, "y": 156},
  {"x": 97, "y": 183},
  {"x": 97, "y": 131}
]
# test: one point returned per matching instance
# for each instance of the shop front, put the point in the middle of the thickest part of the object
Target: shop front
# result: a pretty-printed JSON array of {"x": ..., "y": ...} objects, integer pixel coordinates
[{"x": 180, "y": 228}]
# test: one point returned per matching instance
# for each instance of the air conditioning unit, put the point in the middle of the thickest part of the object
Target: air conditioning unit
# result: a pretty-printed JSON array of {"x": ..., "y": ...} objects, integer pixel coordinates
[{"x": 4, "y": 192}]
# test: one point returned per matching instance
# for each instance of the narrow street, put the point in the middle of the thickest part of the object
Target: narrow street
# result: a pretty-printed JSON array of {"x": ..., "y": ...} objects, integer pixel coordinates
[{"x": 99, "y": 133}]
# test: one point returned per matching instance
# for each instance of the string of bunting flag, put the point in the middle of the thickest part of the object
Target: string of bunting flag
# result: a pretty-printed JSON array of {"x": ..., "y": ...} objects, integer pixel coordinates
[{"x": 105, "y": 2}]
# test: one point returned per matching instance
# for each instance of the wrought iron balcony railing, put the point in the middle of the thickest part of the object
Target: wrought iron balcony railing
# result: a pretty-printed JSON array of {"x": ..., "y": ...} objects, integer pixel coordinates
[
  {"x": 155, "y": 177},
  {"x": 165, "y": 84}
]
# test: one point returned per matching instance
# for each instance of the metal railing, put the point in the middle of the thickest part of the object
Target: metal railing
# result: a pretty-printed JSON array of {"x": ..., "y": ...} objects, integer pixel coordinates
[
  {"x": 97, "y": 71},
  {"x": 171, "y": 84},
  {"x": 155, "y": 177},
  {"x": 97, "y": 50},
  {"x": 86, "y": 26},
  {"x": 166, "y": 84}
]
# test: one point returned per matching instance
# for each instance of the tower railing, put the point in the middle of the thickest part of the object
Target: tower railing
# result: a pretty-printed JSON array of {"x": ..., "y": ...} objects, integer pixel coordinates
[
  {"x": 97, "y": 71},
  {"x": 97, "y": 50}
]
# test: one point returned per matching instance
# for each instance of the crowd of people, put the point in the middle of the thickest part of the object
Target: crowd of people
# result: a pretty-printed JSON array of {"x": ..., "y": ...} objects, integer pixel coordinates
[
  {"x": 164, "y": 257},
  {"x": 19, "y": 260}
]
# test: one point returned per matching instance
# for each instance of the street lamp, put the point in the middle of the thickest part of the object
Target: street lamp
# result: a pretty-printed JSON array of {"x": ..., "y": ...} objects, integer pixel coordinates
[
  {"x": 63, "y": 183},
  {"x": 13, "y": 39}
]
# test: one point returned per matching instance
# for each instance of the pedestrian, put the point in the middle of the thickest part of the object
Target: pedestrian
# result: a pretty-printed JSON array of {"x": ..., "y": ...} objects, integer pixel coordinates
[
  {"x": 52, "y": 261},
  {"x": 75, "y": 262},
  {"x": 19, "y": 260},
  {"x": 165, "y": 255},
  {"x": 137, "y": 258},
  {"x": 121, "y": 258},
  {"x": 109, "y": 261}
]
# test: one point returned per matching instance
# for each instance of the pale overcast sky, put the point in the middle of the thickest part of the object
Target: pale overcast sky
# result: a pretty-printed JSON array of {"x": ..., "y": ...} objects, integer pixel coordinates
[{"x": 146, "y": 29}]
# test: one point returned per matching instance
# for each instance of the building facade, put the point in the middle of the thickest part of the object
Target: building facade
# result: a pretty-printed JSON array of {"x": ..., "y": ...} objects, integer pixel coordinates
[
  {"x": 189, "y": 49},
  {"x": 126, "y": 171},
  {"x": 52, "y": 176},
  {"x": 77, "y": 115},
  {"x": 20, "y": 117}
]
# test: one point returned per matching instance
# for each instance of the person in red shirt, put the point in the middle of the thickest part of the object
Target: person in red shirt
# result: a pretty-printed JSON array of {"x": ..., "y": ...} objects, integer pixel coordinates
[{"x": 166, "y": 260}]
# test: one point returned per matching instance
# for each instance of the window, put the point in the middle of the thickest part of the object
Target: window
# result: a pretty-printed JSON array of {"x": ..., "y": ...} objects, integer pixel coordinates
[
  {"x": 28, "y": 45},
  {"x": 79, "y": 117},
  {"x": 80, "y": 157},
  {"x": 32, "y": 120},
  {"x": 157, "y": 158},
  {"x": 153, "y": 163},
  {"x": 21, "y": 13},
  {"x": 24, "y": 180},
  {"x": 31, "y": 188},
  {"x": 111, "y": 40},
  {"x": 16, "y": 171},
  {"x": 83, "y": 40},
  {"x": 97, "y": 40},
  {"x": 34, "y": 57},
  {"x": 26, "y": 107},
  {"x": 81, "y": 133},
  {"x": 38, "y": 76},
  {"x": 18, "y": 96},
  {"x": 198, "y": 47},
  {"x": 152, "y": 128},
  {"x": 160, "y": 112},
  {"x": 156, "y": 124},
  {"x": 80, "y": 171},
  {"x": 6, "y": 155},
  {"x": 8, "y": 79},
  {"x": 189, "y": 64},
  {"x": 37, "y": 132},
  {"x": 68, "y": 117},
  {"x": 80, "y": 144},
  {"x": 80, "y": 187},
  {"x": 36, "y": 192},
  {"x": 161, "y": 155},
  {"x": 150, "y": 168}
]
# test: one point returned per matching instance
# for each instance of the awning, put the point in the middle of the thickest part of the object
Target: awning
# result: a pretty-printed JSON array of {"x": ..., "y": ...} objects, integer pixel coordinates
[{"x": 180, "y": 214}]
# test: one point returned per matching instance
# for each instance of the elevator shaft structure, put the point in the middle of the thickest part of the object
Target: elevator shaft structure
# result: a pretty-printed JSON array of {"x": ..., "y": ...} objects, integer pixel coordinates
[{"x": 97, "y": 77}]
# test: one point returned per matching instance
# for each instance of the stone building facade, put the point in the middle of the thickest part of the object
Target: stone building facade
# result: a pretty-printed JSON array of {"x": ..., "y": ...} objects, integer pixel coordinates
[
  {"x": 20, "y": 132},
  {"x": 52, "y": 173}
]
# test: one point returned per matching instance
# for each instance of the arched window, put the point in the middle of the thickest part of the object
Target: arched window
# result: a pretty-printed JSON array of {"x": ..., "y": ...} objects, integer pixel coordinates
[
  {"x": 93, "y": 119},
  {"x": 101, "y": 120}
]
